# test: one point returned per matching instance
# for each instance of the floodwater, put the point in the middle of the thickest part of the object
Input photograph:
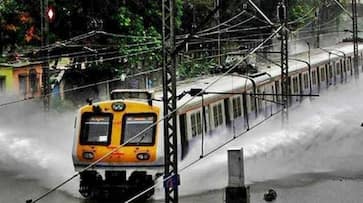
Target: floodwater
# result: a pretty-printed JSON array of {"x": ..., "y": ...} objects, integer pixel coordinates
[{"x": 315, "y": 157}]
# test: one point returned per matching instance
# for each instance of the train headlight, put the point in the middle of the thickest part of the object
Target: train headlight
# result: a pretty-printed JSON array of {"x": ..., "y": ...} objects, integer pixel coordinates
[
  {"x": 143, "y": 156},
  {"x": 118, "y": 106},
  {"x": 88, "y": 155}
]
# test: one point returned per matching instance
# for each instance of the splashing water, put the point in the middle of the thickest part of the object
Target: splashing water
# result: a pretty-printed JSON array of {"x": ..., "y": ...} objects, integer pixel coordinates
[{"x": 322, "y": 140}]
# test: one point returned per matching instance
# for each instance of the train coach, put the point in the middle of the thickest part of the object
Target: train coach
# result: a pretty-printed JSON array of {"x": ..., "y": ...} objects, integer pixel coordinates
[{"x": 123, "y": 165}]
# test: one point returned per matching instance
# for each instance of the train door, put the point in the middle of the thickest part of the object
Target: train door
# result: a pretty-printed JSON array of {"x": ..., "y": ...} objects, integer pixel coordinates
[
  {"x": 338, "y": 71},
  {"x": 305, "y": 83},
  {"x": 252, "y": 106},
  {"x": 260, "y": 99},
  {"x": 301, "y": 88},
  {"x": 227, "y": 111},
  {"x": 277, "y": 98},
  {"x": 314, "y": 80},
  {"x": 322, "y": 75},
  {"x": 329, "y": 69},
  {"x": 349, "y": 66},
  {"x": 237, "y": 111},
  {"x": 294, "y": 88},
  {"x": 269, "y": 90},
  {"x": 183, "y": 135}
]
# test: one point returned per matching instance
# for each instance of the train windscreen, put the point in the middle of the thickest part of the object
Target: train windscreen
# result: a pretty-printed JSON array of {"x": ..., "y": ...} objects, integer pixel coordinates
[
  {"x": 133, "y": 124},
  {"x": 96, "y": 128}
]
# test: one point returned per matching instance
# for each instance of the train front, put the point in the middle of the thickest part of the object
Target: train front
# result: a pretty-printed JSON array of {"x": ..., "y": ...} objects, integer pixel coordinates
[{"x": 111, "y": 136}]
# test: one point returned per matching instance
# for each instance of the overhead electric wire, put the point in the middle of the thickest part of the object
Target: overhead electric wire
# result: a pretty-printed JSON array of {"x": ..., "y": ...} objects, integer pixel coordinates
[
  {"x": 80, "y": 87},
  {"x": 344, "y": 9},
  {"x": 223, "y": 23},
  {"x": 184, "y": 168},
  {"x": 260, "y": 12},
  {"x": 93, "y": 33},
  {"x": 219, "y": 78},
  {"x": 302, "y": 18},
  {"x": 157, "y": 122},
  {"x": 79, "y": 55}
]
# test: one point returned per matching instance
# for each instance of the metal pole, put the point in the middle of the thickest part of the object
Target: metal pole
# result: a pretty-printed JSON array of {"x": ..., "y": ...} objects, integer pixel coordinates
[
  {"x": 283, "y": 17},
  {"x": 44, "y": 42},
  {"x": 309, "y": 66},
  {"x": 355, "y": 36},
  {"x": 204, "y": 130},
  {"x": 169, "y": 98},
  {"x": 218, "y": 19}
]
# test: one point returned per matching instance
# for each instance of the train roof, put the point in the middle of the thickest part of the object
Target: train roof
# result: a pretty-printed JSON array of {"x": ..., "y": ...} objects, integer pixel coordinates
[{"x": 266, "y": 72}]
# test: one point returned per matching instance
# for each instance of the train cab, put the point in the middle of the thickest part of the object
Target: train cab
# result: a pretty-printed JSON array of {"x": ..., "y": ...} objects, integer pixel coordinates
[{"x": 117, "y": 136}]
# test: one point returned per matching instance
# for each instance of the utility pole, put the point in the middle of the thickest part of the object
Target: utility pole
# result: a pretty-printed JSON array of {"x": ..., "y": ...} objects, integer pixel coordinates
[
  {"x": 44, "y": 42},
  {"x": 317, "y": 21},
  {"x": 355, "y": 37},
  {"x": 171, "y": 176},
  {"x": 283, "y": 17},
  {"x": 218, "y": 21}
]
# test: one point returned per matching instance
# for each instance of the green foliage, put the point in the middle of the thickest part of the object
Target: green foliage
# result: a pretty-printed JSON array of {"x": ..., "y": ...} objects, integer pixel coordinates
[
  {"x": 193, "y": 68},
  {"x": 303, "y": 10}
]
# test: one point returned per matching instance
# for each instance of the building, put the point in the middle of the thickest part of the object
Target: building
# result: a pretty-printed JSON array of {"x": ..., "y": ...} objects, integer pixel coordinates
[{"x": 22, "y": 79}]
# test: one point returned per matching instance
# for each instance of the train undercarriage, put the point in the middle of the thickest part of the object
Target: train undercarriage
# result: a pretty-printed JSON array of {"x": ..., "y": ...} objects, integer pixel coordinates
[{"x": 115, "y": 185}]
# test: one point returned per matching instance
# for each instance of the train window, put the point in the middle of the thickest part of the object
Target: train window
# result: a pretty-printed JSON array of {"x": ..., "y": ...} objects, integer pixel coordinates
[
  {"x": 96, "y": 128},
  {"x": 322, "y": 74},
  {"x": 237, "y": 107},
  {"x": 330, "y": 71},
  {"x": 306, "y": 81},
  {"x": 196, "y": 123},
  {"x": 217, "y": 115},
  {"x": 313, "y": 75},
  {"x": 134, "y": 124}
]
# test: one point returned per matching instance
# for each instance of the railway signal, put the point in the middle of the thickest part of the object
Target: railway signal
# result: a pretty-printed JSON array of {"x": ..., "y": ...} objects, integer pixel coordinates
[{"x": 50, "y": 14}]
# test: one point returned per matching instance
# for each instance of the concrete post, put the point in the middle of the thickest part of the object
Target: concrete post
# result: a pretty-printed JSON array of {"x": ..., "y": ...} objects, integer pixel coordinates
[{"x": 236, "y": 191}]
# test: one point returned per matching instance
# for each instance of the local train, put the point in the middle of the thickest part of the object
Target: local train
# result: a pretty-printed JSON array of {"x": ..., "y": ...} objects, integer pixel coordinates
[{"x": 105, "y": 130}]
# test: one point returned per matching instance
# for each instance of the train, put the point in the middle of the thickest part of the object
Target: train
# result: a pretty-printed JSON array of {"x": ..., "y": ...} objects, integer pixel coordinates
[{"x": 114, "y": 163}]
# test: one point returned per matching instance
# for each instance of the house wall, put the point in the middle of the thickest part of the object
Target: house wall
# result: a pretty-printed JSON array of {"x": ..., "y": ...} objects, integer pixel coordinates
[
  {"x": 27, "y": 89},
  {"x": 8, "y": 74},
  {"x": 14, "y": 75}
]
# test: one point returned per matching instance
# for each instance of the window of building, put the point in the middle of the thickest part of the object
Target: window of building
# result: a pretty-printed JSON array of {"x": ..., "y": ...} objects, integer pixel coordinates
[
  {"x": 196, "y": 123},
  {"x": 218, "y": 115},
  {"x": 237, "y": 107}
]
